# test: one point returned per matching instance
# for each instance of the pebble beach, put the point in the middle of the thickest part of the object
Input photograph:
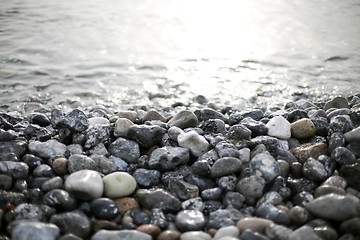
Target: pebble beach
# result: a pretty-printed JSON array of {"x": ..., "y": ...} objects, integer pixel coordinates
[{"x": 185, "y": 172}]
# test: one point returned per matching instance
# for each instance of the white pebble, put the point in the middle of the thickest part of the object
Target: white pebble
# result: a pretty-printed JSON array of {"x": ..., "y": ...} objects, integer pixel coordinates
[
  {"x": 279, "y": 127},
  {"x": 85, "y": 184},
  {"x": 119, "y": 184}
]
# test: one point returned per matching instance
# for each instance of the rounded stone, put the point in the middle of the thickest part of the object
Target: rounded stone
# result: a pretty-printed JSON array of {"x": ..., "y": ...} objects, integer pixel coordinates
[
  {"x": 151, "y": 229},
  {"x": 93, "y": 121},
  {"x": 251, "y": 188},
  {"x": 60, "y": 199},
  {"x": 120, "y": 234},
  {"x": 85, "y": 184},
  {"x": 279, "y": 127},
  {"x": 264, "y": 165},
  {"x": 79, "y": 162},
  {"x": 153, "y": 115},
  {"x": 196, "y": 143},
  {"x": 255, "y": 224},
  {"x": 126, "y": 204},
  {"x": 225, "y": 166},
  {"x": 183, "y": 119},
  {"x": 48, "y": 149},
  {"x": 337, "y": 102},
  {"x": 119, "y": 184},
  {"x": 343, "y": 156},
  {"x": 229, "y": 231},
  {"x": 190, "y": 220},
  {"x": 169, "y": 235},
  {"x": 122, "y": 126},
  {"x": 35, "y": 230},
  {"x": 302, "y": 129},
  {"x": 353, "y": 135},
  {"x": 104, "y": 208},
  {"x": 307, "y": 150},
  {"x": 126, "y": 149},
  {"x": 314, "y": 170},
  {"x": 239, "y": 132},
  {"x": 195, "y": 235},
  {"x": 60, "y": 166},
  {"x": 75, "y": 222}
]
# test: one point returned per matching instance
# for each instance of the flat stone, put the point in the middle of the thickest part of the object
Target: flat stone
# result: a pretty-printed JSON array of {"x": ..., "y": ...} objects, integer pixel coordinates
[
  {"x": 196, "y": 143},
  {"x": 334, "y": 207},
  {"x": 126, "y": 149},
  {"x": 307, "y": 150},
  {"x": 85, "y": 184},
  {"x": 122, "y": 126},
  {"x": 93, "y": 121},
  {"x": 190, "y": 220},
  {"x": 183, "y": 119},
  {"x": 158, "y": 198},
  {"x": 48, "y": 149},
  {"x": 225, "y": 166},
  {"x": 119, "y": 184},
  {"x": 264, "y": 165},
  {"x": 35, "y": 230},
  {"x": 302, "y": 129},
  {"x": 279, "y": 127},
  {"x": 168, "y": 158}
]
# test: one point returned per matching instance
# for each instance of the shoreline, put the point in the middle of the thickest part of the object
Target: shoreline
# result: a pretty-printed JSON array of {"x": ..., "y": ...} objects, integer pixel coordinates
[{"x": 186, "y": 171}]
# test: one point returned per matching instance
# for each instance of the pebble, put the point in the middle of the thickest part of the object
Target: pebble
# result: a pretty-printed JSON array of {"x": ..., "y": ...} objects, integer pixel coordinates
[
  {"x": 79, "y": 162},
  {"x": 250, "y": 235},
  {"x": 302, "y": 129},
  {"x": 76, "y": 120},
  {"x": 126, "y": 204},
  {"x": 225, "y": 166},
  {"x": 183, "y": 119},
  {"x": 227, "y": 183},
  {"x": 351, "y": 225},
  {"x": 103, "y": 164},
  {"x": 168, "y": 158},
  {"x": 140, "y": 217},
  {"x": 131, "y": 115},
  {"x": 153, "y": 115},
  {"x": 146, "y": 135},
  {"x": 35, "y": 230},
  {"x": 96, "y": 134},
  {"x": 193, "y": 204},
  {"x": 278, "y": 232},
  {"x": 341, "y": 123},
  {"x": 208, "y": 113},
  {"x": 220, "y": 218},
  {"x": 147, "y": 178},
  {"x": 6, "y": 182},
  {"x": 125, "y": 149},
  {"x": 18, "y": 147},
  {"x": 265, "y": 166},
  {"x": 304, "y": 232},
  {"x": 353, "y": 135},
  {"x": 226, "y": 149},
  {"x": 326, "y": 189},
  {"x": 17, "y": 170},
  {"x": 253, "y": 223},
  {"x": 351, "y": 173},
  {"x": 48, "y": 149},
  {"x": 279, "y": 127},
  {"x": 211, "y": 193},
  {"x": 169, "y": 235},
  {"x": 229, "y": 231},
  {"x": 239, "y": 132},
  {"x": 74, "y": 222},
  {"x": 334, "y": 207},
  {"x": 269, "y": 211},
  {"x": 121, "y": 234},
  {"x": 93, "y": 121},
  {"x": 122, "y": 126},
  {"x": 182, "y": 189},
  {"x": 195, "y": 235},
  {"x": 337, "y": 139},
  {"x": 257, "y": 128},
  {"x": 337, "y": 102},
  {"x": 314, "y": 170},
  {"x": 104, "y": 224},
  {"x": 343, "y": 156},
  {"x": 151, "y": 229},
  {"x": 60, "y": 199},
  {"x": 104, "y": 208},
  {"x": 196, "y": 143},
  {"x": 119, "y": 184},
  {"x": 60, "y": 165},
  {"x": 251, "y": 188},
  {"x": 40, "y": 119},
  {"x": 190, "y": 220},
  {"x": 213, "y": 126},
  {"x": 85, "y": 184},
  {"x": 309, "y": 150},
  {"x": 150, "y": 198}
]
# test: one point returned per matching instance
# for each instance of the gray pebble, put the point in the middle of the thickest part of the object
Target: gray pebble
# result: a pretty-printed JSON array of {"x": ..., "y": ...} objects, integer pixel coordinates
[
  {"x": 168, "y": 158},
  {"x": 264, "y": 165},
  {"x": 35, "y": 231},
  {"x": 60, "y": 199},
  {"x": 190, "y": 220},
  {"x": 126, "y": 149},
  {"x": 158, "y": 198},
  {"x": 226, "y": 149},
  {"x": 225, "y": 166},
  {"x": 79, "y": 162},
  {"x": 304, "y": 232},
  {"x": 74, "y": 222},
  {"x": 146, "y": 177},
  {"x": 251, "y": 188},
  {"x": 314, "y": 170},
  {"x": 343, "y": 156},
  {"x": 120, "y": 234},
  {"x": 17, "y": 170},
  {"x": 146, "y": 135}
]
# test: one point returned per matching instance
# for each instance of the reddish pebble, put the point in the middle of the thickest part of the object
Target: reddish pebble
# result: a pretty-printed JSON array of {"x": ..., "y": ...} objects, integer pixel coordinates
[
  {"x": 60, "y": 166},
  {"x": 8, "y": 207},
  {"x": 169, "y": 235},
  {"x": 150, "y": 229},
  {"x": 126, "y": 203},
  {"x": 104, "y": 224}
]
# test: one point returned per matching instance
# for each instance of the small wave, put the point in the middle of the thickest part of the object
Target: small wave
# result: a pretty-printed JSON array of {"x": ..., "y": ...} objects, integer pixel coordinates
[
  {"x": 265, "y": 63},
  {"x": 336, "y": 58}
]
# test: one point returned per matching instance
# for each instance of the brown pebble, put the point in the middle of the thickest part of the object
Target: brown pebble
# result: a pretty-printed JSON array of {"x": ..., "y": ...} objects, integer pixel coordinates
[
  {"x": 153, "y": 115},
  {"x": 253, "y": 223},
  {"x": 104, "y": 224},
  {"x": 8, "y": 207},
  {"x": 60, "y": 166},
  {"x": 126, "y": 203},
  {"x": 304, "y": 151},
  {"x": 150, "y": 229},
  {"x": 169, "y": 235},
  {"x": 212, "y": 232}
]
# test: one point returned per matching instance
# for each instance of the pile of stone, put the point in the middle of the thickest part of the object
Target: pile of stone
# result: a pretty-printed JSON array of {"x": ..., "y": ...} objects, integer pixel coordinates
[{"x": 194, "y": 173}]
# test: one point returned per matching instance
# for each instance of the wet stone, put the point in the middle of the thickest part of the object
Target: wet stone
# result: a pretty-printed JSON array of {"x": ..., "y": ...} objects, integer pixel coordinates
[
  {"x": 326, "y": 232},
  {"x": 146, "y": 177},
  {"x": 183, "y": 190},
  {"x": 307, "y": 150},
  {"x": 190, "y": 220},
  {"x": 264, "y": 165},
  {"x": 168, "y": 158},
  {"x": 35, "y": 212},
  {"x": 40, "y": 119},
  {"x": 150, "y": 198},
  {"x": 299, "y": 215},
  {"x": 343, "y": 156},
  {"x": 239, "y": 132},
  {"x": 226, "y": 149},
  {"x": 254, "y": 223},
  {"x": 305, "y": 232},
  {"x": 302, "y": 198},
  {"x": 234, "y": 199},
  {"x": 35, "y": 230},
  {"x": 334, "y": 207},
  {"x": 196, "y": 143},
  {"x": 60, "y": 199},
  {"x": 43, "y": 170},
  {"x": 104, "y": 208},
  {"x": 183, "y": 119},
  {"x": 146, "y": 135},
  {"x": 140, "y": 217},
  {"x": 17, "y": 170},
  {"x": 250, "y": 235},
  {"x": 193, "y": 204},
  {"x": 225, "y": 166},
  {"x": 125, "y": 149},
  {"x": 328, "y": 163}
]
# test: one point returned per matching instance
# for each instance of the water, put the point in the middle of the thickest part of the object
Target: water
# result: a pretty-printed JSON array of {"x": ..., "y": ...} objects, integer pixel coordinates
[{"x": 117, "y": 53}]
